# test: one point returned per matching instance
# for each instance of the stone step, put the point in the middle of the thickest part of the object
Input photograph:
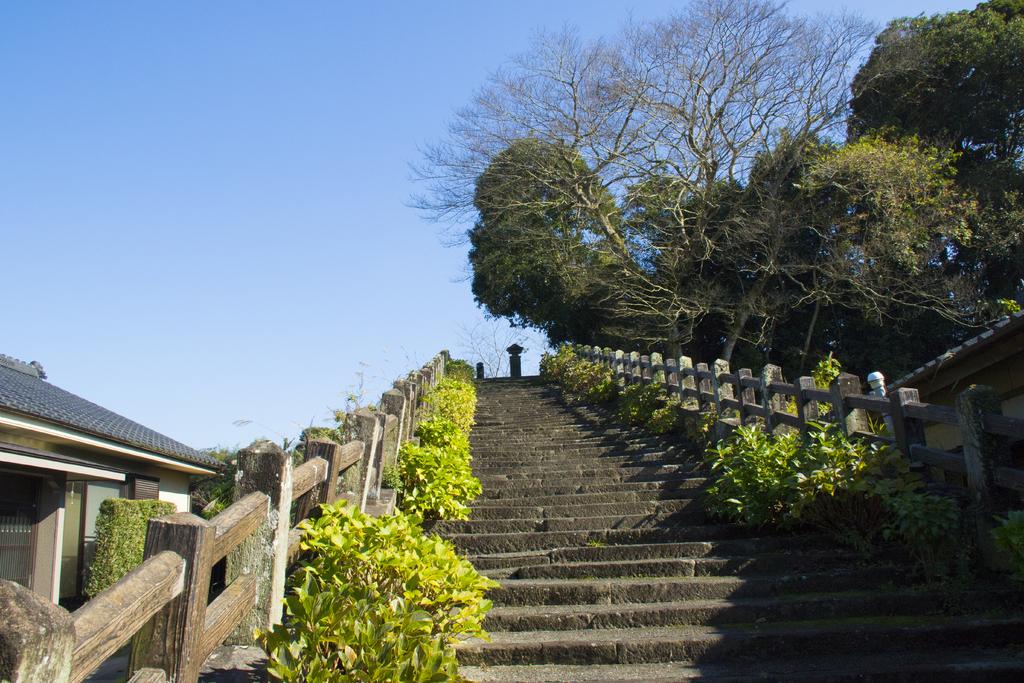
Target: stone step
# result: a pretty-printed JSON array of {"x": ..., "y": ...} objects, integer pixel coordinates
[
  {"x": 592, "y": 510},
  {"x": 702, "y": 644},
  {"x": 671, "y": 589},
  {"x": 482, "y": 543},
  {"x": 664, "y": 475},
  {"x": 598, "y": 553},
  {"x": 723, "y": 612},
  {"x": 582, "y": 467},
  {"x": 741, "y": 565},
  {"x": 960, "y": 665},
  {"x": 688, "y": 515},
  {"x": 511, "y": 492},
  {"x": 565, "y": 499}
]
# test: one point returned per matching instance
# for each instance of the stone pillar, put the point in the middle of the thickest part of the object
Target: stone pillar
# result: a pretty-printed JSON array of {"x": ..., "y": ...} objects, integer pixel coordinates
[
  {"x": 479, "y": 370},
  {"x": 37, "y": 637},
  {"x": 515, "y": 366},
  {"x": 263, "y": 467}
]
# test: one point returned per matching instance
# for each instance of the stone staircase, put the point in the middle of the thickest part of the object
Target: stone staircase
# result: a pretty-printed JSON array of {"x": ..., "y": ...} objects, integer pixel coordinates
[{"x": 609, "y": 572}]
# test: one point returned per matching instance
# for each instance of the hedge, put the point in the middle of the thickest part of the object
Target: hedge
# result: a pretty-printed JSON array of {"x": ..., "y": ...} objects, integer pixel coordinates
[{"x": 121, "y": 539}]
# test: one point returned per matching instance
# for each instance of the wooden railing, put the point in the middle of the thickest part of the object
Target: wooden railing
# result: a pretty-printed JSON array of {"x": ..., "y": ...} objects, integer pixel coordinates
[
  {"x": 741, "y": 397},
  {"x": 162, "y": 606}
]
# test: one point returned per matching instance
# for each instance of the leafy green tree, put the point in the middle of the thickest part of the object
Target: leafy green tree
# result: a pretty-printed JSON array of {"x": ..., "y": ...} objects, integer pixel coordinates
[{"x": 957, "y": 81}]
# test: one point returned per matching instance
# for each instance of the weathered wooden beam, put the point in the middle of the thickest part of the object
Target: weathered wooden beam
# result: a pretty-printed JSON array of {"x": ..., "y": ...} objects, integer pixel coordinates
[
  {"x": 849, "y": 419},
  {"x": 984, "y": 453},
  {"x": 236, "y": 522},
  {"x": 148, "y": 676},
  {"x": 37, "y": 638},
  {"x": 771, "y": 402},
  {"x": 307, "y": 475},
  {"x": 806, "y": 407},
  {"x": 226, "y": 610},
  {"x": 109, "y": 620},
  {"x": 170, "y": 640}
]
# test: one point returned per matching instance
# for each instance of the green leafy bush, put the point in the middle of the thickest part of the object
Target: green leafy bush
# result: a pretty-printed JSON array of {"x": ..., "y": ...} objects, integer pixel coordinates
[
  {"x": 453, "y": 399},
  {"x": 553, "y": 366},
  {"x": 378, "y": 601},
  {"x": 391, "y": 477},
  {"x": 443, "y": 433},
  {"x": 436, "y": 479},
  {"x": 668, "y": 418},
  {"x": 1009, "y": 536},
  {"x": 437, "y": 482},
  {"x": 930, "y": 528},
  {"x": 121, "y": 539},
  {"x": 831, "y": 482},
  {"x": 581, "y": 378},
  {"x": 639, "y": 402},
  {"x": 459, "y": 370},
  {"x": 756, "y": 473}
]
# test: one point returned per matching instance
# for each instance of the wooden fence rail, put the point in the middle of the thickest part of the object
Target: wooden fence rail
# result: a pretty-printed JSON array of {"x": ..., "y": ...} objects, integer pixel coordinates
[
  {"x": 743, "y": 397},
  {"x": 162, "y": 607}
]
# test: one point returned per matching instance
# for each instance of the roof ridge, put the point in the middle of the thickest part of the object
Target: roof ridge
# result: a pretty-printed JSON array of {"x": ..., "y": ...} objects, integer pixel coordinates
[{"x": 19, "y": 365}]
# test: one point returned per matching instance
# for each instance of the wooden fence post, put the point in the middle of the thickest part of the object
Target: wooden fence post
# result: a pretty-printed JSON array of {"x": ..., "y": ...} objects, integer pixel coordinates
[
  {"x": 327, "y": 490},
  {"x": 171, "y": 640},
  {"x": 719, "y": 392},
  {"x": 672, "y": 376},
  {"x": 745, "y": 394},
  {"x": 645, "y": 370},
  {"x": 617, "y": 367},
  {"x": 368, "y": 430},
  {"x": 657, "y": 368},
  {"x": 264, "y": 468},
  {"x": 806, "y": 409},
  {"x": 389, "y": 444},
  {"x": 634, "y": 373},
  {"x": 850, "y": 420},
  {"x": 907, "y": 431},
  {"x": 983, "y": 453},
  {"x": 770, "y": 401},
  {"x": 37, "y": 637},
  {"x": 687, "y": 383},
  {"x": 704, "y": 386},
  {"x": 392, "y": 402}
]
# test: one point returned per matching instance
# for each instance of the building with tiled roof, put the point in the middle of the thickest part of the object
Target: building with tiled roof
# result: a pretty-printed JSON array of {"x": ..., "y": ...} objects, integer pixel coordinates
[
  {"x": 61, "y": 456},
  {"x": 994, "y": 358}
]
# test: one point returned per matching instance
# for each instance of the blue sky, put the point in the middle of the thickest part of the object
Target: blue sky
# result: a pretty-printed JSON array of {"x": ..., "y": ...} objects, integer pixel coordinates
[{"x": 204, "y": 206}]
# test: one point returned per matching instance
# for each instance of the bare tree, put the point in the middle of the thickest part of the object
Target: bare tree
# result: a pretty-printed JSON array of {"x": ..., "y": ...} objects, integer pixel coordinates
[
  {"x": 651, "y": 133},
  {"x": 486, "y": 341}
]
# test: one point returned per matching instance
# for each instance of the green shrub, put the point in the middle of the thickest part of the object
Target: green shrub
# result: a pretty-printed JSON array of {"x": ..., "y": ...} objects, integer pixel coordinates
[
  {"x": 453, "y": 399},
  {"x": 443, "y": 433},
  {"x": 436, "y": 479},
  {"x": 838, "y": 485},
  {"x": 639, "y": 402},
  {"x": 553, "y": 366},
  {"x": 1009, "y": 536},
  {"x": 580, "y": 378},
  {"x": 377, "y": 601},
  {"x": 756, "y": 473},
  {"x": 668, "y": 418},
  {"x": 121, "y": 539},
  {"x": 930, "y": 528},
  {"x": 437, "y": 483},
  {"x": 459, "y": 370},
  {"x": 391, "y": 477}
]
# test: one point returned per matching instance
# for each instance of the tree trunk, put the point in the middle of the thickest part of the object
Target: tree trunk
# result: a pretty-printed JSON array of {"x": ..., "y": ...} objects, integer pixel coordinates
[
  {"x": 810, "y": 334},
  {"x": 734, "y": 334}
]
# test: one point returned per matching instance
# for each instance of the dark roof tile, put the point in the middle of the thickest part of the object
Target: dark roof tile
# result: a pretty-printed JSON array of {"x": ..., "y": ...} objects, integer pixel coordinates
[{"x": 23, "y": 391}]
